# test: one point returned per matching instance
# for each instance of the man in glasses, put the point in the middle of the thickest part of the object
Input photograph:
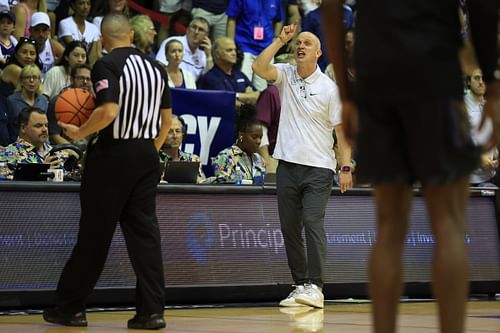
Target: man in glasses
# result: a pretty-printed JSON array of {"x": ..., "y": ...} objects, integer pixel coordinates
[
  {"x": 197, "y": 48},
  {"x": 80, "y": 78}
]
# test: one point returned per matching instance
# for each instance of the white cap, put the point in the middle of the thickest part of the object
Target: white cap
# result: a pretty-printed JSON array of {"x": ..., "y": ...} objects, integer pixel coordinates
[{"x": 40, "y": 18}]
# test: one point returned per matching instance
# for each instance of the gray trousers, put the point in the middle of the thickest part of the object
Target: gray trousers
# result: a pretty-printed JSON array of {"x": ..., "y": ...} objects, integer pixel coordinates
[{"x": 303, "y": 193}]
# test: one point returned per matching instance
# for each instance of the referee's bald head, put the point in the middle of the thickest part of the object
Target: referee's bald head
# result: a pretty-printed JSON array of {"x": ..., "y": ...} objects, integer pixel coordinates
[
  {"x": 115, "y": 29},
  {"x": 115, "y": 25}
]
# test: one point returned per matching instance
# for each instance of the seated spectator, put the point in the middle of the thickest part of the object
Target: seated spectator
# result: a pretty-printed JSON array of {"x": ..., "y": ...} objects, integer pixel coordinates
[
  {"x": 144, "y": 34},
  {"x": 104, "y": 7},
  {"x": 25, "y": 53},
  {"x": 7, "y": 40},
  {"x": 177, "y": 78},
  {"x": 49, "y": 50},
  {"x": 59, "y": 76},
  {"x": 80, "y": 78},
  {"x": 243, "y": 153},
  {"x": 76, "y": 27},
  {"x": 225, "y": 76},
  {"x": 197, "y": 48},
  {"x": 23, "y": 11},
  {"x": 28, "y": 93},
  {"x": 349, "y": 56},
  {"x": 32, "y": 144},
  {"x": 474, "y": 102},
  {"x": 171, "y": 149}
]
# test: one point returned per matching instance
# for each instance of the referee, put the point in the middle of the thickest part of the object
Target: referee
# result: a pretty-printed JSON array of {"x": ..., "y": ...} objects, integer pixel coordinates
[{"x": 132, "y": 117}]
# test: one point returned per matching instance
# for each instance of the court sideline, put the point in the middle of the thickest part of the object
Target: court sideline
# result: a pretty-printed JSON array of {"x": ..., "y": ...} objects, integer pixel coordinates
[{"x": 337, "y": 317}]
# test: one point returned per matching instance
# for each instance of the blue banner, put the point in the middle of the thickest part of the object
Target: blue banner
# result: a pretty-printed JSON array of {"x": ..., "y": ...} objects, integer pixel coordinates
[{"x": 210, "y": 120}]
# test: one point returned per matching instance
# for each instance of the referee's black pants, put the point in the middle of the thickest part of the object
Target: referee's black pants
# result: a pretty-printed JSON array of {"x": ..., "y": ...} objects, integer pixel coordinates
[{"x": 119, "y": 184}]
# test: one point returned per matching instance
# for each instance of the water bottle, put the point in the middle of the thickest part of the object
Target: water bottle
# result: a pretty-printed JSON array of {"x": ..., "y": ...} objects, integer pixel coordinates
[
  {"x": 4, "y": 171},
  {"x": 238, "y": 180}
]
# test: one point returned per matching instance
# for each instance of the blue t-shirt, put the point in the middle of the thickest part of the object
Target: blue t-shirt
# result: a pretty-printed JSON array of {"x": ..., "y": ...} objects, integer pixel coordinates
[
  {"x": 251, "y": 14},
  {"x": 216, "y": 79}
]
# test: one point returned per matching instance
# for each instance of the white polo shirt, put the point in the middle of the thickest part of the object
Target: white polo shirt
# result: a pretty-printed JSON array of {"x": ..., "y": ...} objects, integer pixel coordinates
[
  {"x": 310, "y": 109},
  {"x": 195, "y": 62}
]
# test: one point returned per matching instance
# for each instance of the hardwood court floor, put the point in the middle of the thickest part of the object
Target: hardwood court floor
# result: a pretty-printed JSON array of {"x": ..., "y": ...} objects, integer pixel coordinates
[{"x": 418, "y": 317}]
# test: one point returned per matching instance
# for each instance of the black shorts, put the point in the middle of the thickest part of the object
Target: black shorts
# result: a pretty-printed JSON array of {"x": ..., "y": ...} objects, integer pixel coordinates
[{"x": 426, "y": 141}]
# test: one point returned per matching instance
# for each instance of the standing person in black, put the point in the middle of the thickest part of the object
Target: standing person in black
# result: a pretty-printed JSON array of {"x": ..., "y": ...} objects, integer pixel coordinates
[
  {"x": 132, "y": 117},
  {"x": 410, "y": 112}
]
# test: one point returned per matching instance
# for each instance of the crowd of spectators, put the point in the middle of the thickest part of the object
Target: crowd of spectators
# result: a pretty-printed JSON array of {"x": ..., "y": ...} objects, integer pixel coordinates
[{"x": 215, "y": 51}]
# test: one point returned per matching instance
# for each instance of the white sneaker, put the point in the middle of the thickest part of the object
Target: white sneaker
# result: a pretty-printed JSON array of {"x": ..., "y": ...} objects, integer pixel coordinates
[
  {"x": 311, "y": 296},
  {"x": 290, "y": 300}
]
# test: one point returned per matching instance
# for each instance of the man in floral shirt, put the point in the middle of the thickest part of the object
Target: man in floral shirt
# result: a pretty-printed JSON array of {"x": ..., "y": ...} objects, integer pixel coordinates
[
  {"x": 171, "y": 149},
  {"x": 32, "y": 144}
]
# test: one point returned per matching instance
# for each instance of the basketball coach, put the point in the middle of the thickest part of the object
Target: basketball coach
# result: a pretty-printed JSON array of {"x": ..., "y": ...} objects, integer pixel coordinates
[{"x": 132, "y": 118}]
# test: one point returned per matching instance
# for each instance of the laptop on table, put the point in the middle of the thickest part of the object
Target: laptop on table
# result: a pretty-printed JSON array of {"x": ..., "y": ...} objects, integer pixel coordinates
[
  {"x": 181, "y": 172},
  {"x": 31, "y": 171}
]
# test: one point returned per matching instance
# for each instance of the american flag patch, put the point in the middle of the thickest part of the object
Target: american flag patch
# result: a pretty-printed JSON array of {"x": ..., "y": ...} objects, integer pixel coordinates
[{"x": 100, "y": 85}]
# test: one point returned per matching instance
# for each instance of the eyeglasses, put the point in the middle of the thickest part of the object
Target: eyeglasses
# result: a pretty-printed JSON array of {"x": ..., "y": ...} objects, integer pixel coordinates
[
  {"x": 31, "y": 77},
  {"x": 82, "y": 78},
  {"x": 23, "y": 40}
]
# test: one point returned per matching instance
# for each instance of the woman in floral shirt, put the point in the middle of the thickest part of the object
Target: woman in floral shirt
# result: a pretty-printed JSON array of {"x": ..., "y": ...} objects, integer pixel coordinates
[{"x": 243, "y": 154}]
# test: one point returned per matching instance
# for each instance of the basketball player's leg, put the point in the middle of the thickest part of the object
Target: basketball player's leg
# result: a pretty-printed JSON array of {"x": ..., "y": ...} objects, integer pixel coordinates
[
  {"x": 443, "y": 160},
  {"x": 446, "y": 205},
  {"x": 383, "y": 161},
  {"x": 393, "y": 202}
]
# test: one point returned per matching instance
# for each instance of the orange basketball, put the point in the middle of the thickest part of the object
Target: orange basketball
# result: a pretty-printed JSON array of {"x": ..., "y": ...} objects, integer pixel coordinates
[{"x": 74, "y": 106}]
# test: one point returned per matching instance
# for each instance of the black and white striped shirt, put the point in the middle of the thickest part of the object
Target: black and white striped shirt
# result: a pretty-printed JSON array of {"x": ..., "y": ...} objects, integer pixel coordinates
[{"x": 139, "y": 86}]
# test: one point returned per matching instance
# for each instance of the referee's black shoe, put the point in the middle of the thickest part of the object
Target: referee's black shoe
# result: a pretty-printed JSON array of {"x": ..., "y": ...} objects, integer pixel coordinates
[
  {"x": 55, "y": 316},
  {"x": 147, "y": 322}
]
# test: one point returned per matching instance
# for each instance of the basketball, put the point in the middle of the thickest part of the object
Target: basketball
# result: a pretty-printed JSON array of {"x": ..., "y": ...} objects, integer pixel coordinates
[{"x": 74, "y": 106}]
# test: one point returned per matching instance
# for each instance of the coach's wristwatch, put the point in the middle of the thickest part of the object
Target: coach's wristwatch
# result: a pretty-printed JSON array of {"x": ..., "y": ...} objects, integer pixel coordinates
[{"x": 345, "y": 169}]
